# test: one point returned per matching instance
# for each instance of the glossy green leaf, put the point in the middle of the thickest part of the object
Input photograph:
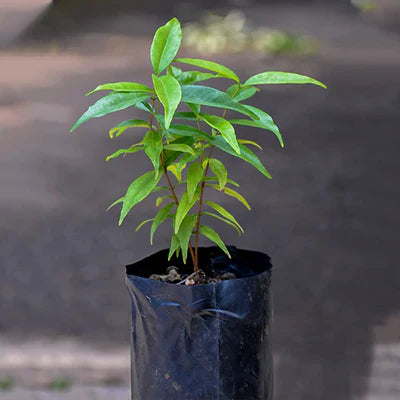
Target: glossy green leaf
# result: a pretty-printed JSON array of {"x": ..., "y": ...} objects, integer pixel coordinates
[
  {"x": 111, "y": 103},
  {"x": 122, "y": 87},
  {"x": 169, "y": 92},
  {"x": 186, "y": 115},
  {"x": 174, "y": 71},
  {"x": 194, "y": 175},
  {"x": 221, "y": 70},
  {"x": 251, "y": 142},
  {"x": 123, "y": 126},
  {"x": 215, "y": 179},
  {"x": 144, "y": 106},
  {"x": 232, "y": 193},
  {"x": 160, "y": 217},
  {"x": 212, "y": 97},
  {"x": 214, "y": 237},
  {"x": 185, "y": 232},
  {"x": 219, "y": 170},
  {"x": 188, "y": 158},
  {"x": 223, "y": 220},
  {"x": 245, "y": 153},
  {"x": 185, "y": 204},
  {"x": 171, "y": 155},
  {"x": 183, "y": 148},
  {"x": 277, "y": 77},
  {"x": 159, "y": 189},
  {"x": 124, "y": 152},
  {"x": 226, "y": 214},
  {"x": 161, "y": 199},
  {"x": 242, "y": 93},
  {"x": 137, "y": 191},
  {"x": 153, "y": 147},
  {"x": 118, "y": 201},
  {"x": 174, "y": 246},
  {"x": 264, "y": 121},
  {"x": 165, "y": 45},
  {"x": 176, "y": 169},
  {"x": 188, "y": 77},
  {"x": 143, "y": 223},
  {"x": 224, "y": 127}
]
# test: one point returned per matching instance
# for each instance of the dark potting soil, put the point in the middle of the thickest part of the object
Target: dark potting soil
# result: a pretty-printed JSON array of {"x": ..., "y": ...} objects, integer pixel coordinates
[
  {"x": 215, "y": 266},
  {"x": 199, "y": 277}
]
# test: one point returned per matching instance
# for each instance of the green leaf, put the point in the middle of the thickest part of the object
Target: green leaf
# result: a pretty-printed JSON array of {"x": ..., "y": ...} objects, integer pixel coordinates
[
  {"x": 186, "y": 158},
  {"x": 245, "y": 153},
  {"x": 188, "y": 116},
  {"x": 245, "y": 141},
  {"x": 277, "y": 77},
  {"x": 144, "y": 106},
  {"x": 174, "y": 71},
  {"x": 165, "y": 45},
  {"x": 214, "y": 178},
  {"x": 153, "y": 147},
  {"x": 123, "y": 126},
  {"x": 111, "y": 103},
  {"x": 120, "y": 200},
  {"x": 208, "y": 96},
  {"x": 211, "y": 66},
  {"x": 159, "y": 189},
  {"x": 185, "y": 204},
  {"x": 131, "y": 150},
  {"x": 226, "y": 214},
  {"x": 223, "y": 220},
  {"x": 161, "y": 199},
  {"x": 188, "y": 77},
  {"x": 185, "y": 232},
  {"x": 232, "y": 193},
  {"x": 194, "y": 175},
  {"x": 214, "y": 237},
  {"x": 219, "y": 170},
  {"x": 174, "y": 246},
  {"x": 137, "y": 191},
  {"x": 122, "y": 87},
  {"x": 143, "y": 223},
  {"x": 183, "y": 148},
  {"x": 160, "y": 217},
  {"x": 224, "y": 127},
  {"x": 176, "y": 169},
  {"x": 169, "y": 92},
  {"x": 264, "y": 121},
  {"x": 242, "y": 93}
]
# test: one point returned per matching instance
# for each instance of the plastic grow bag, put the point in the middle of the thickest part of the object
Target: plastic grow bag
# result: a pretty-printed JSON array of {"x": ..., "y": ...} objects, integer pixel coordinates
[{"x": 202, "y": 342}]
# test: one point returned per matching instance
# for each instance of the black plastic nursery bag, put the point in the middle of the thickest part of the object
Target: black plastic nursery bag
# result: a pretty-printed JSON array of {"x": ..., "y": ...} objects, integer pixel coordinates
[{"x": 202, "y": 342}]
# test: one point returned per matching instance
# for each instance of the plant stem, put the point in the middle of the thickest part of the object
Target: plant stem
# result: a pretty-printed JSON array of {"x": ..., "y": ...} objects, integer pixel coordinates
[
  {"x": 171, "y": 187},
  {"x": 172, "y": 190},
  {"x": 196, "y": 231}
]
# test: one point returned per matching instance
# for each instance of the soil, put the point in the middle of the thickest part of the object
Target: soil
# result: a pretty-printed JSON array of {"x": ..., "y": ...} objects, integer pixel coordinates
[{"x": 199, "y": 277}]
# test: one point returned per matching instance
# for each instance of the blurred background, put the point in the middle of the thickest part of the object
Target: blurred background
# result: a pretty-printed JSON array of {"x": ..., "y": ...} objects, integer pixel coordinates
[{"x": 329, "y": 217}]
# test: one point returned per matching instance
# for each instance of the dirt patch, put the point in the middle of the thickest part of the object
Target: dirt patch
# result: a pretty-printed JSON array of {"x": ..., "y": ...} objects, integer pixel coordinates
[{"x": 199, "y": 277}]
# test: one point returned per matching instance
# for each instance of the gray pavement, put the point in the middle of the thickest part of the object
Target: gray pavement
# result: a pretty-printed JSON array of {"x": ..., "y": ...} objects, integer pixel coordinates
[{"x": 329, "y": 218}]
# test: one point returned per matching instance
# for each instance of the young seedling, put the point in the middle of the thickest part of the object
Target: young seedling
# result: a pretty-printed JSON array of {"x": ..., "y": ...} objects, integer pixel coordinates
[{"x": 182, "y": 146}]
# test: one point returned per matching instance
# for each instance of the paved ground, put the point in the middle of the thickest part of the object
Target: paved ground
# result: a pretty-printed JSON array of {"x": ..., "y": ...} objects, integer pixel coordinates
[{"x": 330, "y": 218}]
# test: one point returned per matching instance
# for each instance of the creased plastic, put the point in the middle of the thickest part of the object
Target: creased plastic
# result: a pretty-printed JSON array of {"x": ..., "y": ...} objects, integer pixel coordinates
[{"x": 202, "y": 342}]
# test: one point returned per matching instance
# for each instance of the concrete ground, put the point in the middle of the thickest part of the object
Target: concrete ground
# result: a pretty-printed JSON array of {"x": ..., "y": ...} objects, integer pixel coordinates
[{"x": 329, "y": 218}]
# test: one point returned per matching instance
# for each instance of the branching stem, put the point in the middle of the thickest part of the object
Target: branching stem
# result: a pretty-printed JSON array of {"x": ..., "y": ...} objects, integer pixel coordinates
[
  {"x": 171, "y": 187},
  {"x": 197, "y": 227}
]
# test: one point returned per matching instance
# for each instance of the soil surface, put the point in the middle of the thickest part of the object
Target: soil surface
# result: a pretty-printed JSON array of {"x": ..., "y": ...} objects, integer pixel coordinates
[{"x": 199, "y": 277}]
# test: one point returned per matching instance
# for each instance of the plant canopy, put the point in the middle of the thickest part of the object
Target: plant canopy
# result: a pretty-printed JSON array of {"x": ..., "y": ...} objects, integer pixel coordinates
[{"x": 182, "y": 139}]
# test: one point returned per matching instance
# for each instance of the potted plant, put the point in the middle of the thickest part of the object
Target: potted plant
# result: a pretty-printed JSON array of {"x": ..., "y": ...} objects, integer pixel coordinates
[{"x": 200, "y": 316}]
